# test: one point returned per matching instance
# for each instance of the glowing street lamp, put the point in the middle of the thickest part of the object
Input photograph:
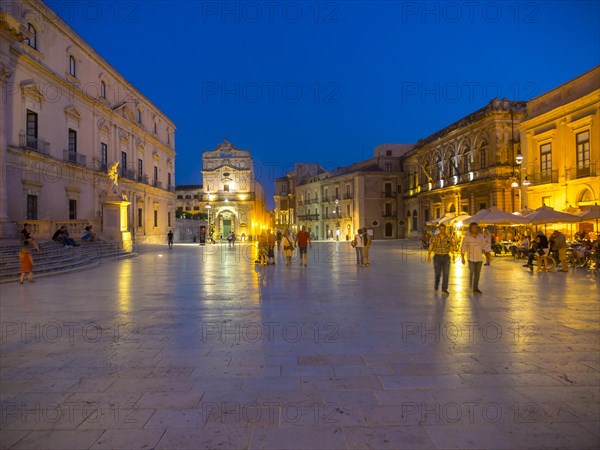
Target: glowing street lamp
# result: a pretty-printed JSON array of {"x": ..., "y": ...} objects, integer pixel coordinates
[{"x": 208, "y": 208}]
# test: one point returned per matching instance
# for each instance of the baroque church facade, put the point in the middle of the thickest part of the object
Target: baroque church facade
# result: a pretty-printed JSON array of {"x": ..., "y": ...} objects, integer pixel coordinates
[{"x": 234, "y": 199}]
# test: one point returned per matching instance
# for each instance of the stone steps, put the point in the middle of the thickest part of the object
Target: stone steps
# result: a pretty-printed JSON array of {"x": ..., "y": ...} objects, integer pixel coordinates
[{"x": 56, "y": 259}]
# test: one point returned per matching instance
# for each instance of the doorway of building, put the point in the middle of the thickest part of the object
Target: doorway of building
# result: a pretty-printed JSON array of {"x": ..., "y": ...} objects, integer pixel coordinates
[{"x": 226, "y": 227}]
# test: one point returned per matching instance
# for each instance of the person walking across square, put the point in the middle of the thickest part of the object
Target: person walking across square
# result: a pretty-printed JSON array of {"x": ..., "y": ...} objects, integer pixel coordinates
[
  {"x": 359, "y": 245},
  {"x": 367, "y": 246},
  {"x": 170, "y": 239},
  {"x": 303, "y": 241},
  {"x": 441, "y": 245},
  {"x": 475, "y": 246}
]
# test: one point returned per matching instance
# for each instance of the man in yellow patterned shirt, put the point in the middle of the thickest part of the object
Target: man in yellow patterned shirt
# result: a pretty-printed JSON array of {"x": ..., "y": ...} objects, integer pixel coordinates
[{"x": 441, "y": 245}]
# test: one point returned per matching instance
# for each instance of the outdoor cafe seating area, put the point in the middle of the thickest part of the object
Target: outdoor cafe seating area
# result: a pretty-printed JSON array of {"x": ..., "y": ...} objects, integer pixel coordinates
[{"x": 507, "y": 232}]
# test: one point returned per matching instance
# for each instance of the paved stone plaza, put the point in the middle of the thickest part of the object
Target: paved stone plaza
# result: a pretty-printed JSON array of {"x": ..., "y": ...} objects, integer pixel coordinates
[{"x": 199, "y": 348}]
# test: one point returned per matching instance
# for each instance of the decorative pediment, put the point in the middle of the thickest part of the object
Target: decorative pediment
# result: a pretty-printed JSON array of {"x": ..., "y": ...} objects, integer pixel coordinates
[
  {"x": 139, "y": 145},
  {"x": 103, "y": 126},
  {"x": 169, "y": 162},
  {"x": 30, "y": 88},
  {"x": 126, "y": 112},
  {"x": 123, "y": 136},
  {"x": 156, "y": 156},
  {"x": 71, "y": 112}
]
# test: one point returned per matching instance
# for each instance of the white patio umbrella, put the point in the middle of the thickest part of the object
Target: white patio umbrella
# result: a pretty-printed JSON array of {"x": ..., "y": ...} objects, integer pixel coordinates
[
  {"x": 498, "y": 217},
  {"x": 591, "y": 214},
  {"x": 455, "y": 218},
  {"x": 436, "y": 222},
  {"x": 524, "y": 211},
  {"x": 477, "y": 216},
  {"x": 545, "y": 214}
]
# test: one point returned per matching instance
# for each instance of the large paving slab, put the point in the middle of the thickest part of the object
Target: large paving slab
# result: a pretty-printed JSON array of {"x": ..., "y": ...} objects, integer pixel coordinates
[{"x": 198, "y": 347}]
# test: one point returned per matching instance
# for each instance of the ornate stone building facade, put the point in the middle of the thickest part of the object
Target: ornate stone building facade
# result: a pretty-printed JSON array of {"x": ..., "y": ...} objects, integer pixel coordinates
[
  {"x": 467, "y": 166},
  {"x": 67, "y": 116},
  {"x": 235, "y": 200},
  {"x": 560, "y": 141},
  {"x": 335, "y": 204}
]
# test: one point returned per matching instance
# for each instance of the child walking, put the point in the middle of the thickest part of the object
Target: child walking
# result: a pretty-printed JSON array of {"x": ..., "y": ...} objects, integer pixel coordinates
[{"x": 26, "y": 264}]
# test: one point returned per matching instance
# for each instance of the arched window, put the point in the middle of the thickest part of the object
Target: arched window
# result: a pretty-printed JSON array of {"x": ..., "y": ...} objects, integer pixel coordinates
[
  {"x": 102, "y": 89},
  {"x": 32, "y": 41},
  {"x": 466, "y": 160},
  {"x": 586, "y": 196},
  {"x": 72, "y": 66},
  {"x": 451, "y": 167},
  {"x": 440, "y": 168},
  {"x": 483, "y": 155}
]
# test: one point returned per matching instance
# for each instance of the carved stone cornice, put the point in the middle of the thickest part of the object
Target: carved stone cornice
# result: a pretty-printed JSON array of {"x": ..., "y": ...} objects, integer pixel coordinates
[
  {"x": 5, "y": 73},
  {"x": 13, "y": 26}
]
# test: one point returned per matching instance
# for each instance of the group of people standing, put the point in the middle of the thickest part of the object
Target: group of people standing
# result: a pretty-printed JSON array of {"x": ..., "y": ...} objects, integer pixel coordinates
[
  {"x": 474, "y": 245},
  {"x": 267, "y": 241}
]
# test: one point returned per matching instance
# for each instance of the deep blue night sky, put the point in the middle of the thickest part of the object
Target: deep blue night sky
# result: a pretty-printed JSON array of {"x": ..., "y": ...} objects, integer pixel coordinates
[{"x": 328, "y": 81}]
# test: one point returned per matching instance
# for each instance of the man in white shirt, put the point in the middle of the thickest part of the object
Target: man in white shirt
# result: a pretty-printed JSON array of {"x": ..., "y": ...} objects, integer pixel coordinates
[{"x": 475, "y": 246}]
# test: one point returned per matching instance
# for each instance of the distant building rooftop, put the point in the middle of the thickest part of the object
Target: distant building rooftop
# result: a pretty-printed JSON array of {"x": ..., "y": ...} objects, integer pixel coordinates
[
  {"x": 393, "y": 149},
  {"x": 188, "y": 187}
]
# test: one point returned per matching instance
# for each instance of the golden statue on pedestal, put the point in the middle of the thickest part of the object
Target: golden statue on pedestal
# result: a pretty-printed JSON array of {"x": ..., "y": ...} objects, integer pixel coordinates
[{"x": 113, "y": 175}]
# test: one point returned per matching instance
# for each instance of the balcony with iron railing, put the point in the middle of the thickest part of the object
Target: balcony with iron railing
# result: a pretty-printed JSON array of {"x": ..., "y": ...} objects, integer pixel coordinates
[
  {"x": 545, "y": 177},
  {"x": 142, "y": 178},
  {"x": 33, "y": 143},
  {"x": 308, "y": 217},
  {"x": 157, "y": 184},
  {"x": 388, "y": 194},
  {"x": 73, "y": 157},
  {"x": 585, "y": 170},
  {"x": 348, "y": 196},
  {"x": 129, "y": 174}
]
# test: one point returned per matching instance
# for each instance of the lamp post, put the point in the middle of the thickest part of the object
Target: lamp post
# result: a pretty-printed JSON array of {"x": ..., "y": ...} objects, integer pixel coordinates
[
  {"x": 517, "y": 158},
  {"x": 208, "y": 233},
  {"x": 337, "y": 223},
  {"x": 514, "y": 184}
]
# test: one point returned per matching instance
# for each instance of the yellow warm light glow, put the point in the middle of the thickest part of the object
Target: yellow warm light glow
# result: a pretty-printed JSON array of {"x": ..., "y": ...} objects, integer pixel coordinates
[
  {"x": 124, "y": 287},
  {"x": 243, "y": 196},
  {"x": 211, "y": 197}
]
